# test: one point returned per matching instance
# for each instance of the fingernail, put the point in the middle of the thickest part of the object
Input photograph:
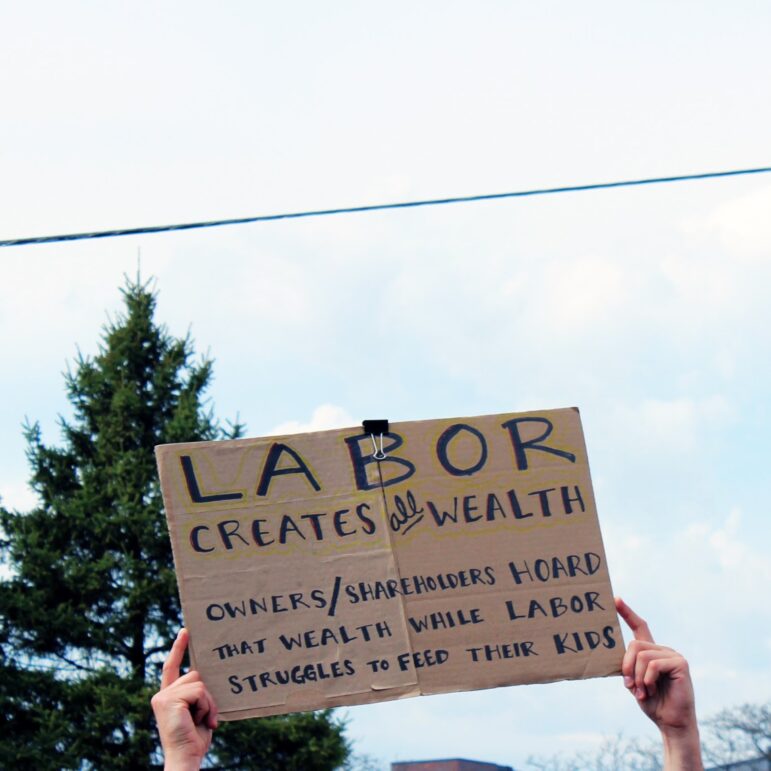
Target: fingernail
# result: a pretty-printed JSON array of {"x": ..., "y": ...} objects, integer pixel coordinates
[
  {"x": 640, "y": 693},
  {"x": 628, "y": 681}
]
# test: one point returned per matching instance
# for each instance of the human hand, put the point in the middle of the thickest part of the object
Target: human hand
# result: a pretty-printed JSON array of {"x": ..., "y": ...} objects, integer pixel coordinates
[
  {"x": 658, "y": 677},
  {"x": 185, "y": 712}
]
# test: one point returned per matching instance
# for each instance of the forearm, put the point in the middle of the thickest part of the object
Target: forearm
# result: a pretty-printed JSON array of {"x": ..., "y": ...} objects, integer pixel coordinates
[{"x": 682, "y": 750}]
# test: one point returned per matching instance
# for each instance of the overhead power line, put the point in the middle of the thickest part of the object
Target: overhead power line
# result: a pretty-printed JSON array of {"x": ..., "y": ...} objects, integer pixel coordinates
[{"x": 375, "y": 207}]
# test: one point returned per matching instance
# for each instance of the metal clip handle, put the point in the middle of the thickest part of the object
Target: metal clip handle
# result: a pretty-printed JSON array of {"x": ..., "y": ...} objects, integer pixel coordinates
[{"x": 373, "y": 427}]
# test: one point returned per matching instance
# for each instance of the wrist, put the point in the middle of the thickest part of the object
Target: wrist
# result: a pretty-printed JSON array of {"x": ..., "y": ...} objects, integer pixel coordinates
[
  {"x": 682, "y": 748},
  {"x": 180, "y": 762}
]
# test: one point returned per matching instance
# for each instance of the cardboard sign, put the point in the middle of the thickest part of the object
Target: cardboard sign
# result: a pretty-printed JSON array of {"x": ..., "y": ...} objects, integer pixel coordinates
[{"x": 313, "y": 574}]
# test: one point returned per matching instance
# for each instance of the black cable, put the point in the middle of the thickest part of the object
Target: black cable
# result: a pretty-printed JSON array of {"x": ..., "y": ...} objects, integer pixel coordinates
[{"x": 374, "y": 207}]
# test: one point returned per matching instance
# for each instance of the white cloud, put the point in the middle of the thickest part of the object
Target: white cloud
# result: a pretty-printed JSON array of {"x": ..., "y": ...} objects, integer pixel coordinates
[
  {"x": 742, "y": 224},
  {"x": 324, "y": 417},
  {"x": 270, "y": 289},
  {"x": 734, "y": 562},
  {"x": 672, "y": 425},
  {"x": 702, "y": 589},
  {"x": 55, "y": 298},
  {"x": 695, "y": 561},
  {"x": 580, "y": 294},
  {"x": 15, "y": 495}
]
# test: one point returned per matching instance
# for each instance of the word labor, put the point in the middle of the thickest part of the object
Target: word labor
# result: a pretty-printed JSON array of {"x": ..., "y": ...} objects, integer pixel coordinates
[{"x": 281, "y": 459}]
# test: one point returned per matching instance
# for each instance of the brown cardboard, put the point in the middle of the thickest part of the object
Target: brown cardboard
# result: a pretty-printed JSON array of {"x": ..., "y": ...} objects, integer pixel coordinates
[{"x": 312, "y": 575}]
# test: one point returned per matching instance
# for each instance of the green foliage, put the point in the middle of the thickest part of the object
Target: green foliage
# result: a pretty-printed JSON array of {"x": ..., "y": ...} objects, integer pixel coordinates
[
  {"x": 89, "y": 604},
  {"x": 309, "y": 741}
]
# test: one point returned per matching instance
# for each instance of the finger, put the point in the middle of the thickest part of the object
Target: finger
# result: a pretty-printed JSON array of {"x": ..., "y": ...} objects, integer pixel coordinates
[
  {"x": 196, "y": 698},
  {"x": 174, "y": 659},
  {"x": 200, "y": 712},
  {"x": 202, "y": 707},
  {"x": 649, "y": 666},
  {"x": 653, "y": 674},
  {"x": 627, "y": 666},
  {"x": 187, "y": 679},
  {"x": 661, "y": 670},
  {"x": 213, "y": 713},
  {"x": 640, "y": 668},
  {"x": 629, "y": 661},
  {"x": 638, "y": 625}
]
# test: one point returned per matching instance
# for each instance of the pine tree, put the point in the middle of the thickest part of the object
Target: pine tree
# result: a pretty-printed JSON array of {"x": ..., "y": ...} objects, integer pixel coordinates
[{"x": 89, "y": 603}]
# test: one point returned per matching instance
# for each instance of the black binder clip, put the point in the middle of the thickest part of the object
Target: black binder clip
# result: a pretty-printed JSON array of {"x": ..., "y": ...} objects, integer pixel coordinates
[{"x": 373, "y": 427}]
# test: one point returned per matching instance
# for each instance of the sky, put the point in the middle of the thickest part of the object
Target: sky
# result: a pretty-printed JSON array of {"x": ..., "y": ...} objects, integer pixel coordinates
[{"x": 645, "y": 307}]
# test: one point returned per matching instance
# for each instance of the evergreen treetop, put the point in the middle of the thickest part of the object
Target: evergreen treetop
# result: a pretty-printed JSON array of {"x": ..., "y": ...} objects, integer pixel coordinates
[{"x": 90, "y": 606}]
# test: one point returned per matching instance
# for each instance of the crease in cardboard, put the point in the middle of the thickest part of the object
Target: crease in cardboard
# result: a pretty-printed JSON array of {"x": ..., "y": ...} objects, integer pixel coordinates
[{"x": 391, "y": 537}]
